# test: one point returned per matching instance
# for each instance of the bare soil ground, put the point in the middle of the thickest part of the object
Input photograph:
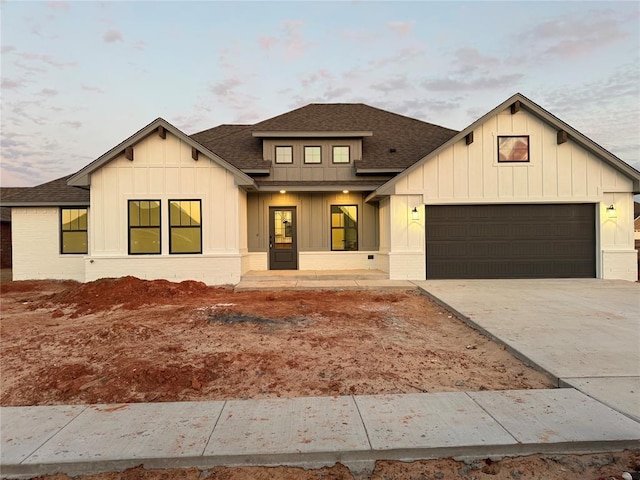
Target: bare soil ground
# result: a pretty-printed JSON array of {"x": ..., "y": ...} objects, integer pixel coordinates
[
  {"x": 128, "y": 340},
  {"x": 549, "y": 467}
]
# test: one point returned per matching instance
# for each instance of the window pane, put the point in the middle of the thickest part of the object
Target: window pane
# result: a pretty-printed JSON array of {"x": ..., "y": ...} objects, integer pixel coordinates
[
  {"x": 82, "y": 219},
  {"x": 74, "y": 242},
  {"x": 312, "y": 155},
  {"x": 134, "y": 213},
  {"x": 154, "y": 214},
  {"x": 145, "y": 240},
  {"x": 284, "y": 154},
  {"x": 185, "y": 240},
  {"x": 174, "y": 213},
  {"x": 340, "y": 154}
]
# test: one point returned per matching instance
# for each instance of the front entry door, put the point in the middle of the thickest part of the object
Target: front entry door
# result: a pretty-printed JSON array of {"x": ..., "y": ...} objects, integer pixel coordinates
[{"x": 283, "y": 244}]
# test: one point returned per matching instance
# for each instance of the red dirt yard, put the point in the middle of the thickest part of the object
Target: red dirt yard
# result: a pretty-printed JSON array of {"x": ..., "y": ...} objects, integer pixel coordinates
[{"x": 129, "y": 340}]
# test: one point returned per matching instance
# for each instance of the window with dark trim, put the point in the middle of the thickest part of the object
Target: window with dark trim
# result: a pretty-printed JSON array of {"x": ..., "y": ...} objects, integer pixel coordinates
[
  {"x": 344, "y": 227},
  {"x": 73, "y": 230},
  {"x": 185, "y": 225},
  {"x": 144, "y": 227},
  {"x": 513, "y": 148},
  {"x": 312, "y": 155},
  {"x": 341, "y": 154},
  {"x": 284, "y": 154}
]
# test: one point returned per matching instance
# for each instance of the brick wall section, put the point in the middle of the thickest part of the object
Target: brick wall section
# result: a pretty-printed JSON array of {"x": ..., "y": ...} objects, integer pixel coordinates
[{"x": 5, "y": 245}]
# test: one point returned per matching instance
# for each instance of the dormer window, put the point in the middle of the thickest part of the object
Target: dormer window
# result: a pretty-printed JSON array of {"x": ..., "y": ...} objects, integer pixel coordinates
[
  {"x": 284, "y": 154},
  {"x": 341, "y": 154},
  {"x": 312, "y": 155}
]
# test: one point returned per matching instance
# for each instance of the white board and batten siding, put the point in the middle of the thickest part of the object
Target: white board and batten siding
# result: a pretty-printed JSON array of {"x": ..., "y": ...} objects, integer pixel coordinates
[
  {"x": 38, "y": 231},
  {"x": 471, "y": 174},
  {"x": 163, "y": 169}
]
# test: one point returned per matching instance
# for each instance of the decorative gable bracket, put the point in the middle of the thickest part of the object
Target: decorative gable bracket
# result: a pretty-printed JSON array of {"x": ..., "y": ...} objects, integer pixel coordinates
[
  {"x": 515, "y": 107},
  {"x": 469, "y": 138},
  {"x": 194, "y": 153},
  {"x": 162, "y": 132},
  {"x": 562, "y": 137},
  {"x": 128, "y": 153}
]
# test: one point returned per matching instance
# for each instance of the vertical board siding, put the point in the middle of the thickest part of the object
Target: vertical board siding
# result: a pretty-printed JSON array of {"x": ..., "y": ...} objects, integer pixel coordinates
[
  {"x": 163, "y": 170},
  {"x": 555, "y": 172},
  {"x": 313, "y": 212}
]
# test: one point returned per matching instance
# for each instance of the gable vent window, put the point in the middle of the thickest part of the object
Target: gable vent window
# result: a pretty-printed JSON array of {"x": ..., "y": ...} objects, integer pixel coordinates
[
  {"x": 73, "y": 235},
  {"x": 186, "y": 226},
  {"x": 513, "y": 148},
  {"x": 144, "y": 227},
  {"x": 312, "y": 155},
  {"x": 284, "y": 154}
]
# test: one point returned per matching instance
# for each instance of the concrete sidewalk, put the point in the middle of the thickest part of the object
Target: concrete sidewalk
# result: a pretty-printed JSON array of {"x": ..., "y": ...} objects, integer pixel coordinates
[
  {"x": 309, "y": 431},
  {"x": 585, "y": 333}
]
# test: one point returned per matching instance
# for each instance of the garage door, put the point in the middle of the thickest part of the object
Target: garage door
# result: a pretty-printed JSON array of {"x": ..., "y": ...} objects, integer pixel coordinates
[{"x": 510, "y": 241}]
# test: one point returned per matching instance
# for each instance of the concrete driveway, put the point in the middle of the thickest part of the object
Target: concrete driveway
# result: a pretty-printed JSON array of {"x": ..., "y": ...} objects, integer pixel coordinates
[{"x": 585, "y": 333}]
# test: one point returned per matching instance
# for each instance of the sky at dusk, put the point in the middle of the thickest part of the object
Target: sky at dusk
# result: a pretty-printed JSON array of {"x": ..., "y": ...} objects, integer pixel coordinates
[{"x": 80, "y": 77}]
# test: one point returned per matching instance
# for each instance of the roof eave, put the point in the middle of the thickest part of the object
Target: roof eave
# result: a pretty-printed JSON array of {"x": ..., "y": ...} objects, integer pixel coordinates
[
  {"x": 312, "y": 134},
  {"x": 83, "y": 176},
  {"x": 389, "y": 187},
  {"x": 39, "y": 203}
]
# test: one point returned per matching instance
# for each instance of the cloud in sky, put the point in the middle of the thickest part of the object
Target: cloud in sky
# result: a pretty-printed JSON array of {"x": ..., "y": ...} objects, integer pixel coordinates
[
  {"x": 201, "y": 64},
  {"x": 113, "y": 35},
  {"x": 401, "y": 28},
  {"x": 575, "y": 35}
]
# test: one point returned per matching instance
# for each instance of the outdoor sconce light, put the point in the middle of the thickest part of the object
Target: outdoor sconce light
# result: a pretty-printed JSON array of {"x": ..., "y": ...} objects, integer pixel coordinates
[
  {"x": 611, "y": 211},
  {"x": 415, "y": 214}
]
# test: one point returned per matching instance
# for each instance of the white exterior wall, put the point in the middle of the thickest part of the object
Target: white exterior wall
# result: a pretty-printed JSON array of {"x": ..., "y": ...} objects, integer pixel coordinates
[
  {"x": 358, "y": 260},
  {"x": 36, "y": 246},
  {"x": 164, "y": 170},
  {"x": 470, "y": 174}
]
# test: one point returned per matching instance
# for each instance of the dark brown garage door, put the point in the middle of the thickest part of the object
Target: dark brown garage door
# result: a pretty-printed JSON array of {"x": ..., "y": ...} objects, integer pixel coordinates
[{"x": 510, "y": 241}]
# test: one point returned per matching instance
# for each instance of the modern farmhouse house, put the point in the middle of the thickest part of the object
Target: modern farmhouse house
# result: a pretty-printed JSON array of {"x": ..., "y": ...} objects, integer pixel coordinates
[{"x": 516, "y": 194}]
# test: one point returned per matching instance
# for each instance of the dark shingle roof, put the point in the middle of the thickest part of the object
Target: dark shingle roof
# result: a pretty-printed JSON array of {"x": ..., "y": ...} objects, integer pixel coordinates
[
  {"x": 412, "y": 139},
  {"x": 55, "y": 192}
]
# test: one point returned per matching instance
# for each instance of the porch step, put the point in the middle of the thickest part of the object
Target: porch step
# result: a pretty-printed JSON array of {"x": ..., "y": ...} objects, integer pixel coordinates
[{"x": 301, "y": 275}]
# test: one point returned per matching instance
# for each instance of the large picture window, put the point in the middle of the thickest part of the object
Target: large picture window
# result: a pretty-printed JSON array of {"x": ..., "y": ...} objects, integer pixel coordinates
[
  {"x": 73, "y": 230},
  {"x": 513, "y": 149},
  {"x": 344, "y": 227},
  {"x": 144, "y": 226},
  {"x": 185, "y": 224},
  {"x": 284, "y": 154}
]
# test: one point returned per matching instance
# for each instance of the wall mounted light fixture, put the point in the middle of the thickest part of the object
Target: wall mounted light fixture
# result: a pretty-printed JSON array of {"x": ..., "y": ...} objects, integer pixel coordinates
[
  {"x": 415, "y": 214},
  {"x": 611, "y": 211}
]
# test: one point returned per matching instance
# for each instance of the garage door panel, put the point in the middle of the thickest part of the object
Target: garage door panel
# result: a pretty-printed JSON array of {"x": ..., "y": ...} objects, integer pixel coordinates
[{"x": 510, "y": 241}]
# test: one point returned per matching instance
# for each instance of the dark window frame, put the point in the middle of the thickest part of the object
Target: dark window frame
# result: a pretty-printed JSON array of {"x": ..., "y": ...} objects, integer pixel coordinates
[
  {"x": 528, "y": 137},
  {"x": 171, "y": 226},
  {"x": 332, "y": 228},
  {"x": 333, "y": 154},
  {"x": 304, "y": 156},
  {"x": 63, "y": 231},
  {"x": 275, "y": 155},
  {"x": 149, "y": 227}
]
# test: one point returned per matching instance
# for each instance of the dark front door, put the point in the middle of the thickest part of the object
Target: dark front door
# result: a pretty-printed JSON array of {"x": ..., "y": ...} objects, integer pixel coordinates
[{"x": 283, "y": 244}]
